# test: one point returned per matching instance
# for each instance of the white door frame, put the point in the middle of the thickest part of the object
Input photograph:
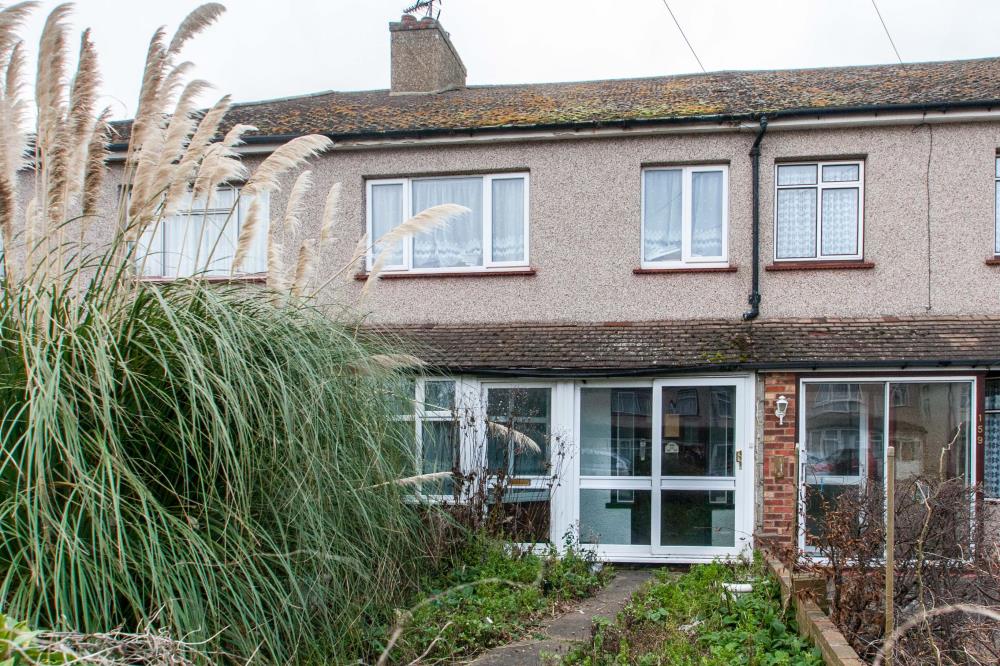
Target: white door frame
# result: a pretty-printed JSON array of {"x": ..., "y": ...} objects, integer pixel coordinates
[{"x": 741, "y": 483}]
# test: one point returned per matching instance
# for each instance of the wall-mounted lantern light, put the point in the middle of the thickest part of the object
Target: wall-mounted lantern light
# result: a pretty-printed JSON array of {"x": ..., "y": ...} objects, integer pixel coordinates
[{"x": 781, "y": 408}]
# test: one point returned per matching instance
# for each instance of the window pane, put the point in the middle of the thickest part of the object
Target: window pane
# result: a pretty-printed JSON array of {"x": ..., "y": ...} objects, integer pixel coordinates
[
  {"x": 993, "y": 394},
  {"x": 616, "y": 432},
  {"x": 844, "y": 442},
  {"x": 439, "y": 444},
  {"x": 662, "y": 215},
  {"x": 197, "y": 244},
  {"x": 256, "y": 261},
  {"x": 796, "y": 228},
  {"x": 997, "y": 213},
  {"x": 706, "y": 214},
  {"x": 991, "y": 458},
  {"x": 698, "y": 433},
  {"x": 387, "y": 214},
  {"x": 526, "y": 411},
  {"x": 840, "y": 221},
  {"x": 508, "y": 219},
  {"x": 402, "y": 396},
  {"x": 615, "y": 517},
  {"x": 997, "y": 167},
  {"x": 798, "y": 174},
  {"x": 697, "y": 518},
  {"x": 839, "y": 173},
  {"x": 936, "y": 425},
  {"x": 458, "y": 243},
  {"x": 439, "y": 396}
]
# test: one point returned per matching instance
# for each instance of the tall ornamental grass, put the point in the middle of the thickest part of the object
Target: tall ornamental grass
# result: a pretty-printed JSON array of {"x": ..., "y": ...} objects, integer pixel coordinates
[{"x": 220, "y": 462}]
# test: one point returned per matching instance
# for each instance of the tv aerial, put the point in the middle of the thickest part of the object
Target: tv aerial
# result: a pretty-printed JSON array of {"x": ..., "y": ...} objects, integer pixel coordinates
[{"x": 427, "y": 6}]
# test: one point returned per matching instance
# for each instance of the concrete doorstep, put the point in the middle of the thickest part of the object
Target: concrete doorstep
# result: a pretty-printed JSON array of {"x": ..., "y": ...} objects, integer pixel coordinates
[{"x": 557, "y": 635}]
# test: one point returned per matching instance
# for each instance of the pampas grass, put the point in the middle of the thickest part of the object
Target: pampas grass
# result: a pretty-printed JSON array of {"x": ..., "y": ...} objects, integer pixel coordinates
[{"x": 184, "y": 457}]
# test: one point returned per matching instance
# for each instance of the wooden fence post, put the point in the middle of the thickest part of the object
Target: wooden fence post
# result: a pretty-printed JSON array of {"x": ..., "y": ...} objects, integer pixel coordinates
[{"x": 890, "y": 544}]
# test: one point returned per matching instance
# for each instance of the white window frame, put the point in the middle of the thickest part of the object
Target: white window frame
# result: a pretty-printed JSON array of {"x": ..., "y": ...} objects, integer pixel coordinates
[
  {"x": 820, "y": 186},
  {"x": 184, "y": 216},
  {"x": 996, "y": 211},
  {"x": 488, "y": 263},
  {"x": 721, "y": 261},
  {"x": 536, "y": 481}
]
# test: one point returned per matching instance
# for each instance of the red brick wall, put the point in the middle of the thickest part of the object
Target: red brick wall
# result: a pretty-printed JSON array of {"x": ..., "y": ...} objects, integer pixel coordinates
[{"x": 780, "y": 496}]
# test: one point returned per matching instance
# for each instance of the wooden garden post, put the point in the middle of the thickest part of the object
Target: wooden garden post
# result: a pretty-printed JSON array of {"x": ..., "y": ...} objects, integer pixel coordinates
[{"x": 890, "y": 544}]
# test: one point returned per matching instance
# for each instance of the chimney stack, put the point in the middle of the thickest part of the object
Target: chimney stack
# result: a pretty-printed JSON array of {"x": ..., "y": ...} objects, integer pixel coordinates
[{"x": 424, "y": 61}]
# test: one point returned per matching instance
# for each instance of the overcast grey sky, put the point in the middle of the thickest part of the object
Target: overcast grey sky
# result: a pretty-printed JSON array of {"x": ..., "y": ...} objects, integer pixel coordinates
[{"x": 273, "y": 48}]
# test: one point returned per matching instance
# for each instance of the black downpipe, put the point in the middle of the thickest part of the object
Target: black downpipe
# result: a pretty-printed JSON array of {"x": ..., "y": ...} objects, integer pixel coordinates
[{"x": 754, "y": 299}]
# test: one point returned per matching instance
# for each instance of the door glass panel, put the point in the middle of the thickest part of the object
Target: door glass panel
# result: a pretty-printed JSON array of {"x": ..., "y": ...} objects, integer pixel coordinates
[
  {"x": 519, "y": 410},
  {"x": 930, "y": 426},
  {"x": 616, "y": 432},
  {"x": 619, "y": 517},
  {"x": 843, "y": 442},
  {"x": 699, "y": 434},
  {"x": 698, "y": 518}
]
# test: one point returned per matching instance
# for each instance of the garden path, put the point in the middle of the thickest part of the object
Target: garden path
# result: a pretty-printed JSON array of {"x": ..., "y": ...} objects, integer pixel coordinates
[{"x": 558, "y": 634}]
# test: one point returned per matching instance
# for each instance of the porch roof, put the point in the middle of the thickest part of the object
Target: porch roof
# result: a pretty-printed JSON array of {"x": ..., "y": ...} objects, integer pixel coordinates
[{"x": 663, "y": 347}]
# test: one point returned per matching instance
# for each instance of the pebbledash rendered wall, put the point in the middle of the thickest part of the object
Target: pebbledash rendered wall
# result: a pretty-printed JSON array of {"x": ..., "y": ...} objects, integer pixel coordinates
[{"x": 585, "y": 228}]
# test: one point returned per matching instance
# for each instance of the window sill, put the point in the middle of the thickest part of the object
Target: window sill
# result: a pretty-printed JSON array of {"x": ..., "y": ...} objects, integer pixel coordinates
[
  {"x": 521, "y": 272},
  {"x": 818, "y": 265},
  {"x": 992, "y": 261},
  {"x": 257, "y": 278},
  {"x": 685, "y": 269}
]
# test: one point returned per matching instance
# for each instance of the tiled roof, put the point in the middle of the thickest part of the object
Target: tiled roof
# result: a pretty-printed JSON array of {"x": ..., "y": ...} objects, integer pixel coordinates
[
  {"x": 716, "y": 95},
  {"x": 665, "y": 346}
]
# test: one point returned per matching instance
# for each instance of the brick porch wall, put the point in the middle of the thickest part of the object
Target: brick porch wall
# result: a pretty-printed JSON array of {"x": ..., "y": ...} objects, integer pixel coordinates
[{"x": 779, "y": 496}]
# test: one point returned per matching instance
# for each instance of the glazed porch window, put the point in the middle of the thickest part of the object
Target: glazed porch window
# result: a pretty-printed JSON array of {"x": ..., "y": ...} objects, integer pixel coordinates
[
  {"x": 494, "y": 235},
  {"x": 819, "y": 211},
  {"x": 685, "y": 216},
  {"x": 200, "y": 239},
  {"x": 847, "y": 424}
]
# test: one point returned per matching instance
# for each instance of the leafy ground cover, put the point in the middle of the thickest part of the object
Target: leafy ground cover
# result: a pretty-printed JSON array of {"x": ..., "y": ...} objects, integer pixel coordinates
[
  {"x": 489, "y": 594},
  {"x": 688, "y": 620}
]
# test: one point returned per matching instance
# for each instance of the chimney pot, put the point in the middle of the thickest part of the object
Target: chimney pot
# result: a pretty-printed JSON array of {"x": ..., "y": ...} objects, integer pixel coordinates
[{"x": 424, "y": 61}]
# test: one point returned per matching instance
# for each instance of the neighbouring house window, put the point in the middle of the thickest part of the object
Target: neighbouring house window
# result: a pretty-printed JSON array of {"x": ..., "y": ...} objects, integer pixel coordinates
[
  {"x": 996, "y": 193},
  {"x": 847, "y": 424},
  {"x": 528, "y": 413},
  {"x": 685, "y": 216},
  {"x": 493, "y": 235},
  {"x": 819, "y": 211},
  {"x": 200, "y": 239},
  {"x": 991, "y": 453}
]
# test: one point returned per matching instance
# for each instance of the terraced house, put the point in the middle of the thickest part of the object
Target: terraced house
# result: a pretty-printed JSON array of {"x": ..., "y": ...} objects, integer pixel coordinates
[{"x": 700, "y": 295}]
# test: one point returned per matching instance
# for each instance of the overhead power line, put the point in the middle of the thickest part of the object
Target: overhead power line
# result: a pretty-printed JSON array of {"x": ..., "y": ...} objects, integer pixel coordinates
[
  {"x": 886, "y": 28},
  {"x": 681, "y": 30}
]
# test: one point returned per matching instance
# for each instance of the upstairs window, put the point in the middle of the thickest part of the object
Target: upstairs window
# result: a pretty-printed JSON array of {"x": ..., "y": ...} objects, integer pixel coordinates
[
  {"x": 685, "y": 216},
  {"x": 819, "y": 211},
  {"x": 200, "y": 239},
  {"x": 996, "y": 193},
  {"x": 494, "y": 235}
]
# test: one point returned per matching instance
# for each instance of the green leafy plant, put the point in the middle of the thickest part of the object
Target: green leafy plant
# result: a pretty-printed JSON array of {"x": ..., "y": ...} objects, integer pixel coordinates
[
  {"x": 690, "y": 619},
  {"x": 490, "y": 594}
]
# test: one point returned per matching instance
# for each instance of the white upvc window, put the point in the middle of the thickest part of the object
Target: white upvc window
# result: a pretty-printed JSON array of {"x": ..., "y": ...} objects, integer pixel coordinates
[
  {"x": 819, "y": 211},
  {"x": 493, "y": 236},
  {"x": 200, "y": 238},
  {"x": 996, "y": 193},
  {"x": 685, "y": 216}
]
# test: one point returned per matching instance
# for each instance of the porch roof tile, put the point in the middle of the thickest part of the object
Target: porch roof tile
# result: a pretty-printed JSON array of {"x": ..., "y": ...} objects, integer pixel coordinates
[{"x": 605, "y": 348}]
